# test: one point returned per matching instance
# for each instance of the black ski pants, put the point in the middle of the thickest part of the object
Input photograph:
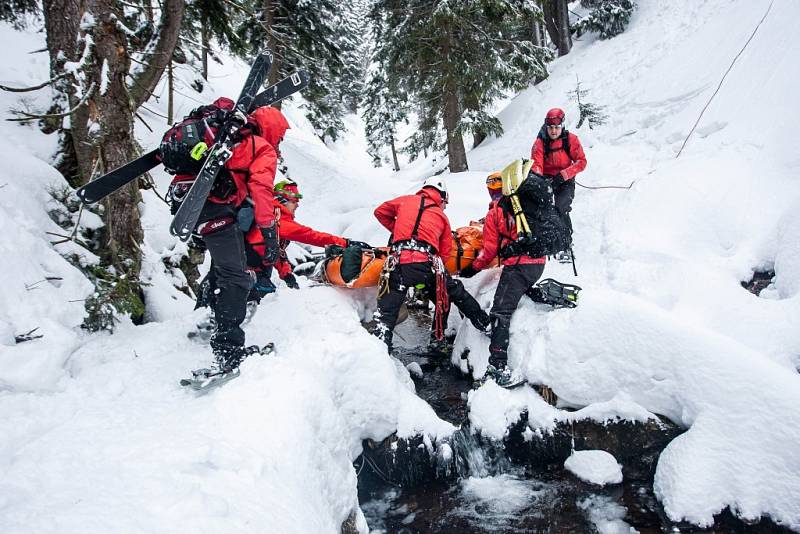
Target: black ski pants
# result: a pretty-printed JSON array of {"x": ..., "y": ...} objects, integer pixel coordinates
[
  {"x": 563, "y": 195},
  {"x": 229, "y": 275},
  {"x": 407, "y": 275},
  {"x": 515, "y": 281}
]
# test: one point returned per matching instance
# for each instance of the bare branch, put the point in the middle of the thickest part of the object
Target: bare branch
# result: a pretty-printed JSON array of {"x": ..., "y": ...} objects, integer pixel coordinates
[
  {"x": 33, "y": 88},
  {"x": 143, "y": 121},
  {"x": 29, "y": 116}
]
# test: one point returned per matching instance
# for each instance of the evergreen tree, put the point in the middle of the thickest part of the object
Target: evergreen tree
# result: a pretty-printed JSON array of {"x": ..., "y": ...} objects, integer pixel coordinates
[
  {"x": 313, "y": 35},
  {"x": 608, "y": 18},
  {"x": 203, "y": 21},
  {"x": 15, "y": 11},
  {"x": 383, "y": 109},
  {"x": 556, "y": 21},
  {"x": 454, "y": 58},
  {"x": 590, "y": 113}
]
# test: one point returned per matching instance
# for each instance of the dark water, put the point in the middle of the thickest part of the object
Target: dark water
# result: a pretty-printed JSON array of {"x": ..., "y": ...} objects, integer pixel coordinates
[{"x": 495, "y": 496}]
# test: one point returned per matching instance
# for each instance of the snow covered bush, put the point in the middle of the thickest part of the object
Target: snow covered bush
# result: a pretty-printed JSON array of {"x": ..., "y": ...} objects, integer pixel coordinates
[{"x": 608, "y": 17}]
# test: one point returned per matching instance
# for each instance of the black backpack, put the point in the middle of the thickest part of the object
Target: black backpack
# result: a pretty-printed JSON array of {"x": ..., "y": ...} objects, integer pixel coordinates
[
  {"x": 183, "y": 147},
  {"x": 550, "y": 233}
]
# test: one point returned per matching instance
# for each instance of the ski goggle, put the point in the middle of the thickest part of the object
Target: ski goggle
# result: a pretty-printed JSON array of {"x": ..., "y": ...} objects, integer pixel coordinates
[
  {"x": 553, "y": 122},
  {"x": 494, "y": 181}
]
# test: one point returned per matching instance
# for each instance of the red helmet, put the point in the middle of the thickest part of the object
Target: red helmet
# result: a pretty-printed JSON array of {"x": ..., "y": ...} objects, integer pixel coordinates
[
  {"x": 554, "y": 117},
  {"x": 287, "y": 191}
]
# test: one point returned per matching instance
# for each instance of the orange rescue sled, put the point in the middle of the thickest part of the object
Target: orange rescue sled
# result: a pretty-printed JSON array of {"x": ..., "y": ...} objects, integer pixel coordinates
[{"x": 467, "y": 244}]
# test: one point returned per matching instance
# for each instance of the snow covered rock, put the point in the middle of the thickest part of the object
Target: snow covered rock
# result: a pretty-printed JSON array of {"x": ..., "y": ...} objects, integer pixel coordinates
[{"x": 596, "y": 467}]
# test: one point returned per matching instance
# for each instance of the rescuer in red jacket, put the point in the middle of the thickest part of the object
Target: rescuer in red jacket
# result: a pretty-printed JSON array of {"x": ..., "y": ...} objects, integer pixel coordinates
[
  {"x": 420, "y": 238},
  {"x": 249, "y": 172},
  {"x": 286, "y": 200},
  {"x": 520, "y": 272},
  {"x": 558, "y": 156}
]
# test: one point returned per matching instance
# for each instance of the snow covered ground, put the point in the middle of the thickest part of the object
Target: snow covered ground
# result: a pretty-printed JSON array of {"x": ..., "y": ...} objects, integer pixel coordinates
[{"x": 96, "y": 435}]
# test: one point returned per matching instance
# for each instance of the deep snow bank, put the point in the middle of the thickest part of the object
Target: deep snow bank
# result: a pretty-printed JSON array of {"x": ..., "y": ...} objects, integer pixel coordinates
[
  {"x": 663, "y": 322},
  {"x": 123, "y": 448}
]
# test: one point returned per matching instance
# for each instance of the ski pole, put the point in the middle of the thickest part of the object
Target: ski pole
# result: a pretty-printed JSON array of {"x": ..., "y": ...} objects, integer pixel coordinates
[{"x": 572, "y": 257}]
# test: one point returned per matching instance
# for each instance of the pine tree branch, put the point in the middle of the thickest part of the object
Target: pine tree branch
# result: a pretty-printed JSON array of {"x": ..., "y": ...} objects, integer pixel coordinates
[
  {"x": 35, "y": 87},
  {"x": 160, "y": 50},
  {"x": 30, "y": 116}
]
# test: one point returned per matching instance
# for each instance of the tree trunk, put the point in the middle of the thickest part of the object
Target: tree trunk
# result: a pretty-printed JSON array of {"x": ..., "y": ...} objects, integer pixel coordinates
[
  {"x": 269, "y": 18},
  {"x": 170, "y": 92},
  {"x": 205, "y": 37},
  {"x": 451, "y": 114},
  {"x": 61, "y": 20},
  {"x": 556, "y": 20},
  {"x": 115, "y": 143},
  {"x": 166, "y": 38},
  {"x": 394, "y": 153},
  {"x": 562, "y": 19},
  {"x": 538, "y": 40}
]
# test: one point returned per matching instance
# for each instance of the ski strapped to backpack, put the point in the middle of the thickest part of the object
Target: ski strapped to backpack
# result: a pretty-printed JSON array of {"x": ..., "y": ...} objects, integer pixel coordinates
[
  {"x": 184, "y": 146},
  {"x": 106, "y": 184},
  {"x": 185, "y": 220}
]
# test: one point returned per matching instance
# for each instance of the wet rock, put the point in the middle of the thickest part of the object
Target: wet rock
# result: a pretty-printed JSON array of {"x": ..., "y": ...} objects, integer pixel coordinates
[
  {"x": 350, "y": 525},
  {"x": 759, "y": 281},
  {"x": 635, "y": 445}
]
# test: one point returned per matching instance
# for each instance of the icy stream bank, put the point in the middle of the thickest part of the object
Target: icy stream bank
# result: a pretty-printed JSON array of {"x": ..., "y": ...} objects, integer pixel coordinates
[{"x": 473, "y": 484}]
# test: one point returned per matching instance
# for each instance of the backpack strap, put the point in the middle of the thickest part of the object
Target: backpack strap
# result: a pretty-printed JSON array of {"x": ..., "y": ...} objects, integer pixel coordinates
[
  {"x": 547, "y": 142},
  {"x": 422, "y": 207}
]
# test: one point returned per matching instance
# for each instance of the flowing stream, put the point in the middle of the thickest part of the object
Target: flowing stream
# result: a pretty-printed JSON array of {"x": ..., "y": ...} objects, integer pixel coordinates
[{"x": 490, "y": 493}]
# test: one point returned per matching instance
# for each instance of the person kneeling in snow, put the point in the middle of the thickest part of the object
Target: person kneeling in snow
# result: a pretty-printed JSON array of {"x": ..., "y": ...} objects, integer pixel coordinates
[
  {"x": 421, "y": 237},
  {"x": 520, "y": 273},
  {"x": 287, "y": 197}
]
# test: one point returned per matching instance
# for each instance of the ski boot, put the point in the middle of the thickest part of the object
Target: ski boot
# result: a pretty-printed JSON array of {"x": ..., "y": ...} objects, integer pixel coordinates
[
  {"x": 504, "y": 377},
  {"x": 252, "y": 308},
  {"x": 225, "y": 369},
  {"x": 564, "y": 256}
]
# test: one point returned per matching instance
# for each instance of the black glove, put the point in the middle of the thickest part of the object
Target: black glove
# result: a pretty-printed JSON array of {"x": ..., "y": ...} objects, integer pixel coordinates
[
  {"x": 359, "y": 244},
  {"x": 468, "y": 272},
  {"x": 291, "y": 281},
  {"x": 271, "y": 245},
  {"x": 556, "y": 180}
]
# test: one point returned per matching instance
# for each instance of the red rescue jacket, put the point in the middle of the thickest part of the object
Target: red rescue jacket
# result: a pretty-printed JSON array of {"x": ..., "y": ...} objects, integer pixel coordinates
[
  {"x": 399, "y": 215},
  {"x": 558, "y": 161},
  {"x": 290, "y": 230},
  {"x": 499, "y": 230}
]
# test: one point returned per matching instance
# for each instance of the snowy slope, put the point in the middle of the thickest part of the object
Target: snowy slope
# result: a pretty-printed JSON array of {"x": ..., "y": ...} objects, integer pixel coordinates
[{"x": 663, "y": 318}]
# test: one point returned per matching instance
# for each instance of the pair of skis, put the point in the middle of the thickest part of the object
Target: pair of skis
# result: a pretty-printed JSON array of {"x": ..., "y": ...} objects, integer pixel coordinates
[{"x": 185, "y": 219}]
